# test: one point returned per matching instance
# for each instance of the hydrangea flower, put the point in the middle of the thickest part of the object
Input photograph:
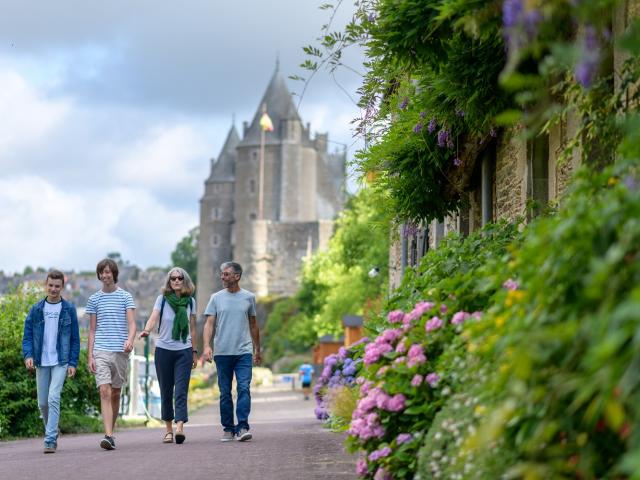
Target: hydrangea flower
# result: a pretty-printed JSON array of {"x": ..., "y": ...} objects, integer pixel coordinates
[
  {"x": 361, "y": 467},
  {"x": 395, "y": 316},
  {"x": 416, "y": 381},
  {"x": 378, "y": 454},
  {"x": 434, "y": 324},
  {"x": 432, "y": 379},
  {"x": 460, "y": 317}
]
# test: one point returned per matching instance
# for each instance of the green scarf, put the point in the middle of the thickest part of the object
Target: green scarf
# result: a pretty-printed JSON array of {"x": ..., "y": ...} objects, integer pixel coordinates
[{"x": 181, "y": 321}]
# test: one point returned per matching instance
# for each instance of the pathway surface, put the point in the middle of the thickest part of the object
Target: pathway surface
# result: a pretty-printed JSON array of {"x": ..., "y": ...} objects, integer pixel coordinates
[{"x": 288, "y": 443}]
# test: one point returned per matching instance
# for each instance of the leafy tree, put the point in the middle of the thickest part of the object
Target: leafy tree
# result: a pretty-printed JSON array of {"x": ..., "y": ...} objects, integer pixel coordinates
[
  {"x": 334, "y": 282},
  {"x": 185, "y": 254}
]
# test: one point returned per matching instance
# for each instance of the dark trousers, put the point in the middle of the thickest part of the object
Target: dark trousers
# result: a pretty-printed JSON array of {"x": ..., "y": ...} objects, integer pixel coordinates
[
  {"x": 173, "y": 368},
  {"x": 227, "y": 366}
]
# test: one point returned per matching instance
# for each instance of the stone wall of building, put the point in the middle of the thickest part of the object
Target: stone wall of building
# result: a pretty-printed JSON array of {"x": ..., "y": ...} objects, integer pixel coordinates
[
  {"x": 395, "y": 259},
  {"x": 215, "y": 239},
  {"x": 278, "y": 252},
  {"x": 561, "y": 169},
  {"x": 510, "y": 174}
]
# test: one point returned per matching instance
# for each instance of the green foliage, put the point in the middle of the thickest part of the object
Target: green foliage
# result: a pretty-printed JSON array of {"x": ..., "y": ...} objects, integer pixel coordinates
[
  {"x": 334, "y": 282},
  {"x": 185, "y": 254},
  {"x": 19, "y": 414}
]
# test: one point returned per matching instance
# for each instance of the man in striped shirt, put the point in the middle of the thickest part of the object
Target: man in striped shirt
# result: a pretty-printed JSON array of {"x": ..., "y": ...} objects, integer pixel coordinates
[{"x": 112, "y": 329}]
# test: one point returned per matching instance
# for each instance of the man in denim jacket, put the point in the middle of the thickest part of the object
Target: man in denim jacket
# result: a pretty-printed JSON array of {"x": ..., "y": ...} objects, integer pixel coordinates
[{"x": 51, "y": 346}]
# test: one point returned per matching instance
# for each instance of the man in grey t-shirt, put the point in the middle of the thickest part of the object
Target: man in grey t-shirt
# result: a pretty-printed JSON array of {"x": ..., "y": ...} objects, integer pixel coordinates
[{"x": 231, "y": 321}]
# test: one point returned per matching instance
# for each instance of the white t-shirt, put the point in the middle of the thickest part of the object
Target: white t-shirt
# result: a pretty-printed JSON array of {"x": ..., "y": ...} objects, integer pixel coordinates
[
  {"x": 164, "y": 339},
  {"x": 50, "y": 339}
]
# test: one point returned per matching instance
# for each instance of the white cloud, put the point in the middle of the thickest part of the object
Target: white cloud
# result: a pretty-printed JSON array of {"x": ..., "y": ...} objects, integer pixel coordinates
[
  {"x": 26, "y": 117},
  {"x": 46, "y": 226}
]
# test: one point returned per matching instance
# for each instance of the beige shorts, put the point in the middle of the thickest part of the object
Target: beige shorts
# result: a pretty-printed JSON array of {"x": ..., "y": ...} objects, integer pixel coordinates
[{"x": 111, "y": 367}]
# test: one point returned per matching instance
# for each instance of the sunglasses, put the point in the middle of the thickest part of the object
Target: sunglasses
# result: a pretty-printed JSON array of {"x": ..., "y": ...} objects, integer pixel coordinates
[{"x": 175, "y": 279}]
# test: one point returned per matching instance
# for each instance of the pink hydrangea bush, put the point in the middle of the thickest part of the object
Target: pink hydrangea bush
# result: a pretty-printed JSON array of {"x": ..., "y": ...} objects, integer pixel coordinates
[{"x": 402, "y": 386}]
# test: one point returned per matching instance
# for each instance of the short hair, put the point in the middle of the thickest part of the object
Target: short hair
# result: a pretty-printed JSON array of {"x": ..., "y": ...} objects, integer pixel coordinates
[
  {"x": 188, "y": 288},
  {"x": 236, "y": 267},
  {"x": 55, "y": 275},
  {"x": 113, "y": 266}
]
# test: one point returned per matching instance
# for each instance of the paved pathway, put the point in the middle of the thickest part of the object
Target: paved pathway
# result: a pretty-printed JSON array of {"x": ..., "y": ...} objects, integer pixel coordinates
[{"x": 288, "y": 443}]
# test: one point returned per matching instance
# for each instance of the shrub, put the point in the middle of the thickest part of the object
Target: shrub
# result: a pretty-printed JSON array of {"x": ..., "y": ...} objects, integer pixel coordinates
[{"x": 19, "y": 414}]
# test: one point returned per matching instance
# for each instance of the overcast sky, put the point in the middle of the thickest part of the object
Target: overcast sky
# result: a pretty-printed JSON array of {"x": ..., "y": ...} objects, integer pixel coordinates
[{"x": 110, "y": 112}]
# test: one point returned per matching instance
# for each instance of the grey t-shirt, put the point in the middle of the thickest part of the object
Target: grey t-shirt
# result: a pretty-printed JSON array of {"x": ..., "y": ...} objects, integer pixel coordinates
[
  {"x": 164, "y": 339},
  {"x": 232, "y": 311}
]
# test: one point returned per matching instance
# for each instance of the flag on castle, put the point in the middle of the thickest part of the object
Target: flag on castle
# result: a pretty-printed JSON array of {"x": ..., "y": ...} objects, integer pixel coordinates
[{"x": 266, "y": 123}]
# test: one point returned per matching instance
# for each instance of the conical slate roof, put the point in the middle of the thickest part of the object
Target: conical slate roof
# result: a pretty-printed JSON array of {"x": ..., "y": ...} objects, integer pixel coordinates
[
  {"x": 224, "y": 168},
  {"x": 280, "y": 107}
]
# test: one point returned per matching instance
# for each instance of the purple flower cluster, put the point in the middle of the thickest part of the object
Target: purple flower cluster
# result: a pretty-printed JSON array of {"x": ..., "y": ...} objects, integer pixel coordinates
[
  {"x": 510, "y": 284},
  {"x": 403, "y": 104},
  {"x": 378, "y": 454},
  {"x": 432, "y": 379},
  {"x": 520, "y": 22},
  {"x": 339, "y": 370},
  {"x": 432, "y": 125},
  {"x": 417, "y": 128},
  {"x": 587, "y": 67}
]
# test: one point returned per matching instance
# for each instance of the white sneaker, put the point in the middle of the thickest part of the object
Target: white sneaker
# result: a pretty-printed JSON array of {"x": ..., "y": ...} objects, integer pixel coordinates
[
  {"x": 244, "y": 435},
  {"x": 227, "y": 437}
]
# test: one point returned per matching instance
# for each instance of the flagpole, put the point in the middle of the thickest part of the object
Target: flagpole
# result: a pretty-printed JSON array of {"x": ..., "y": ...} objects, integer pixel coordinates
[{"x": 261, "y": 178}]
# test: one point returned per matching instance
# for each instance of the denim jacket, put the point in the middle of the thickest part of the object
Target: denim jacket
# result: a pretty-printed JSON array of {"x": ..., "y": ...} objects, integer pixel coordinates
[{"x": 68, "y": 342}]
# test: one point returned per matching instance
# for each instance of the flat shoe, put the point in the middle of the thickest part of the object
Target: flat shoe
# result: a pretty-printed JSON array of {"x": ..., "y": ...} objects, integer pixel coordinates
[
  {"x": 168, "y": 438},
  {"x": 180, "y": 437}
]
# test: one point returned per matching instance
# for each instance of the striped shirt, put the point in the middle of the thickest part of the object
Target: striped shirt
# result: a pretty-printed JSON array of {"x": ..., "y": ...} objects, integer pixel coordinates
[{"x": 112, "y": 327}]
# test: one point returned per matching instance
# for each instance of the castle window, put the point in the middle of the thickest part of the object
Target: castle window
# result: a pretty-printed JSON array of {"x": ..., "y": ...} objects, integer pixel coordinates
[
  {"x": 252, "y": 186},
  {"x": 216, "y": 214},
  {"x": 216, "y": 188},
  {"x": 254, "y": 155},
  {"x": 215, "y": 240},
  {"x": 538, "y": 166},
  {"x": 252, "y": 216}
]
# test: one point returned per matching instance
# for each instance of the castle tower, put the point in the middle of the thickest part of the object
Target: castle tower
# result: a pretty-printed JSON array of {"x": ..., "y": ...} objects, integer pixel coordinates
[
  {"x": 216, "y": 220},
  {"x": 303, "y": 192}
]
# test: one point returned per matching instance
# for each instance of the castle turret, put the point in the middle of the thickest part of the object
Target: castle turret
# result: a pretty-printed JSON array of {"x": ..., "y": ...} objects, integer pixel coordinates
[{"x": 216, "y": 220}]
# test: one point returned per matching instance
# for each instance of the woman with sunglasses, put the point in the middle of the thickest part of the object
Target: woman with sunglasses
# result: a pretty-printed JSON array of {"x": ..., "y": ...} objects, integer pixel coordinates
[{"x": 176, "y": 353}]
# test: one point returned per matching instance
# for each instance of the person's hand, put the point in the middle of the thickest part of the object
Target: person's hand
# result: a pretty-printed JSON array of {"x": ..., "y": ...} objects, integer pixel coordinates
[
  {"x": 207, "y": 354},
  {"x": 143, "y": 334},
  {"x": 28, "y": 362},
  {"x": 194, "y": 360},
  {"x": 71, "y": 372},
  {"x": 91, "y": 363},
  {"x": 257, "y": 358},
  {"x": 128, "y": 346}
]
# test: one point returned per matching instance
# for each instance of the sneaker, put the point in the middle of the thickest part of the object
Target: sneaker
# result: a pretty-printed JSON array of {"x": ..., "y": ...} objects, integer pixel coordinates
[
  {"x": 108, "y": 443},
  {"x": 50, "y": 448},
  {"x": 227, "y": 437},
  {"x": 244, "y": 435}
]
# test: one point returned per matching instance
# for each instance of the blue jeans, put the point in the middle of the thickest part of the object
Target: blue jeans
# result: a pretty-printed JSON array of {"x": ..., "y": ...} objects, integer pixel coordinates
[
  {"x": 49, "y": 381},
  {"x": 173, "y": 368},
  {"x": 227, "y": 366}
]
